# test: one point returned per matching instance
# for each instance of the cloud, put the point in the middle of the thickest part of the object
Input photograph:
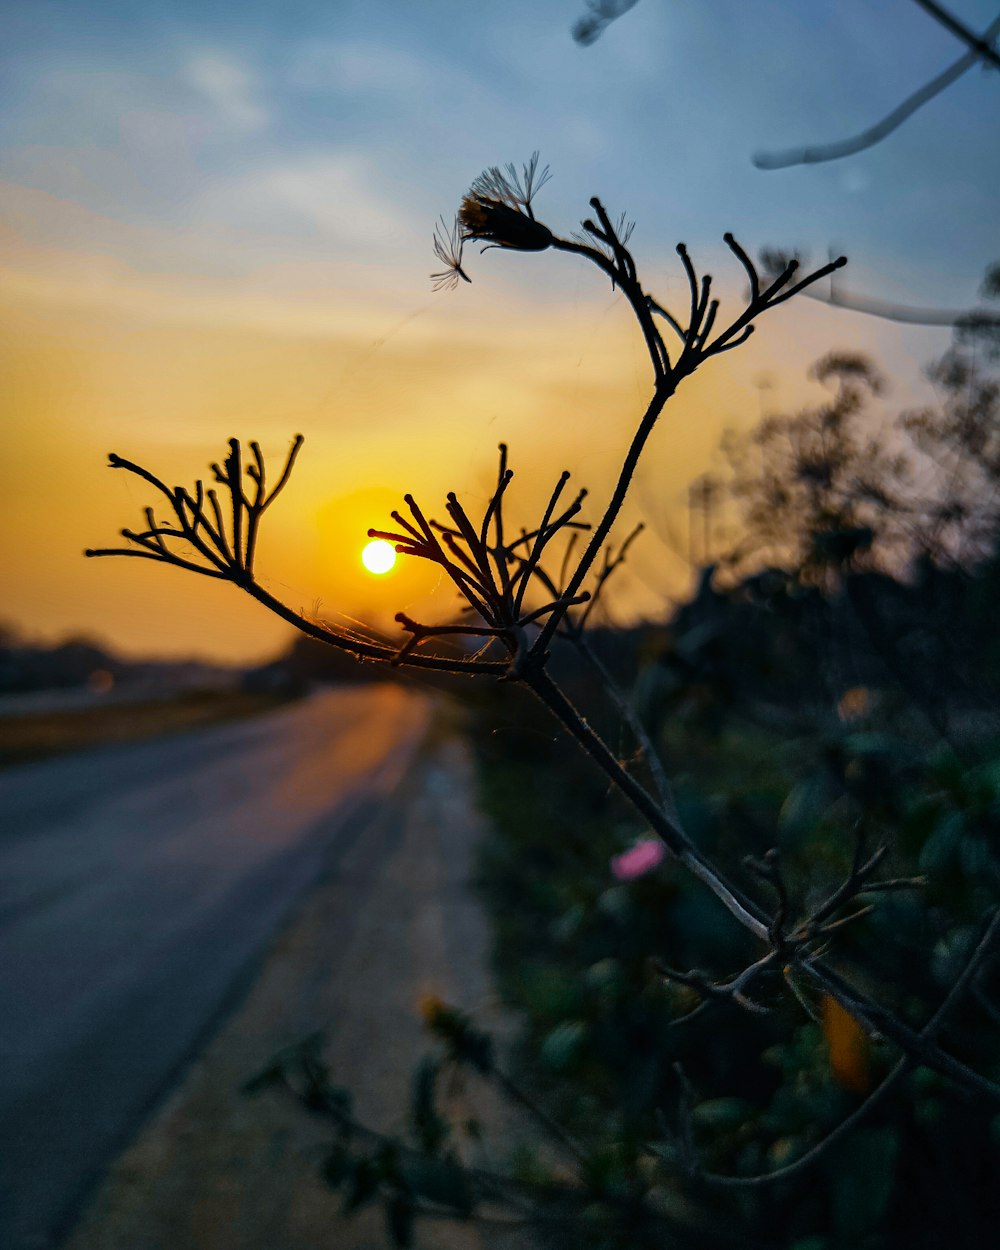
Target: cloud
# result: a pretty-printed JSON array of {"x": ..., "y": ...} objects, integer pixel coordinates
[
  {"x": 230, "y": 88},
  {"x": 336, "y": 193},
  {"x": 359, "y": 67}
]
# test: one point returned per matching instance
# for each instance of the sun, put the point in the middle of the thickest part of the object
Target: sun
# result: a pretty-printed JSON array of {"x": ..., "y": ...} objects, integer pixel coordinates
[{"x": 379, "y": 556}]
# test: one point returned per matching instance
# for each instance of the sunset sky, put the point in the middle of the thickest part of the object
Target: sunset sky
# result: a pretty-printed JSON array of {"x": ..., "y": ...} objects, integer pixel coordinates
[{"x": 216, "y": 220}]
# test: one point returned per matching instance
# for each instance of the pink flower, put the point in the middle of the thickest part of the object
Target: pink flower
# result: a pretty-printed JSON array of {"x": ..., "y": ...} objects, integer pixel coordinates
[{"x": 639, "y": 859}]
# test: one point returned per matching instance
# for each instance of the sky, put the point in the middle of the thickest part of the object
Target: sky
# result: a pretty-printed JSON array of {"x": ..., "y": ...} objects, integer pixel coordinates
[{"x": 216, "y": 220}]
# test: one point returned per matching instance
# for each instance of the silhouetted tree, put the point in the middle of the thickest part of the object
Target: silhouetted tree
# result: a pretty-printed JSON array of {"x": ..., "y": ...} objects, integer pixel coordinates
[{"x": 816, "y": 490}]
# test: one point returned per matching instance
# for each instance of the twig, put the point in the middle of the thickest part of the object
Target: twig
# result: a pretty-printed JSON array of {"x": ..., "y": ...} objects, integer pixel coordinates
[
  {"x": 985, "y": 50},
  {"x": 632, "y": 718},
  {"x": 660, "y": 822},
  {"x": 933, "y": 1026},
  {"x": 914, "y": 1044},
  {"x": 875, "y": 134}
]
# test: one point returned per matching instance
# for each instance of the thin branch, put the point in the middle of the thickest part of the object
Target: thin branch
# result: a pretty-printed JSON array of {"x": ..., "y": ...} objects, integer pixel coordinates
[
  {"x": 545, "y": 532},
  {"x": 610, "y": 566},
  {"x": 892, "y": 121},
  {"x": 985, "y": 50},
  {"x": 93, "y": 552},
  {"x": 723, "y": 991},
  {"x": 906, "y": 314},
  {"x": 633, "y": 720},
  {"x": 881, "y": 1091},
  {"x": 633, "y": 292},
  {"x": 668, "y": 316},
  {"x": 668, "y": 829},
  {"x": 368, "y": 650},
  {"x": 551, "y": 1126},
  {"x": 914, "y": 1044},
  {"x": 603, "y": 528},
  {"x": 601, "y": 14}
]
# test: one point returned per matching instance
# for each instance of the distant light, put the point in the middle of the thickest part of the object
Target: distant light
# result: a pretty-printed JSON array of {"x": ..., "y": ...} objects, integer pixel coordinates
[{"x": 379, "y": 556}]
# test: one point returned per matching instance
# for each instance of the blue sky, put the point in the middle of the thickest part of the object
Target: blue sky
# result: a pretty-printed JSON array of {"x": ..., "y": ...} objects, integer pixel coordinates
[
  {"x": 218, "y": 216},
  {"x": 346, "y": 127}
]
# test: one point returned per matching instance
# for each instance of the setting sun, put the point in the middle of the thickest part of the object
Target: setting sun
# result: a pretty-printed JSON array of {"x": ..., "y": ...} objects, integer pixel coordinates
[{"x": 379, "y": 556}]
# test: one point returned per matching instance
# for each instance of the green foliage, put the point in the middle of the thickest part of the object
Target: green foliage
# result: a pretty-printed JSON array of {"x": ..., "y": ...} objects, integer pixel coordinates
[{"x": 752, "y": 763}]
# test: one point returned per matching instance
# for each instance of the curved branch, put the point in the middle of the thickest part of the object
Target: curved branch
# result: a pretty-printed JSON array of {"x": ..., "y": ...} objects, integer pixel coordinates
[
  {"x": 905, "y": 313},
  {"x": 367, "y": 650},
  {"x": 892, "y": 121}
]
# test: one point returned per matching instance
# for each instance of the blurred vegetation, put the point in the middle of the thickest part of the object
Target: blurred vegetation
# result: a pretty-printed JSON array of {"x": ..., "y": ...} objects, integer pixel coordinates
[
  {"x": 850, "y": 688},
  {"x": 825, "y": 703}
]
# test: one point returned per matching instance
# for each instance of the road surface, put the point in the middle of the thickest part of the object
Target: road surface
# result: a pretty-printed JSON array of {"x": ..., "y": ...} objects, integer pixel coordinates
[
  {"x": 138, "y": 888},
  {"x": 393, "y": 918}
]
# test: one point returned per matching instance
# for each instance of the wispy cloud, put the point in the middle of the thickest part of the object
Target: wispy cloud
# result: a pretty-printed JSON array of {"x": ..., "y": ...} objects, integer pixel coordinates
[
  {"x": 338, "y": 194},
  {"x": 359, "y": 67},
  {"x": 230, "y": 88}
]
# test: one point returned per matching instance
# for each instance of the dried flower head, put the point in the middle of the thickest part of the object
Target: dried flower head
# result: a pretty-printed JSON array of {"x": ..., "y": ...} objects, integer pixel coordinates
[
  {"x": 507, "y": 186},
  {"x": 448, "y": 245},
  {"x": 496, "y": 211},
  {"x": 500, "y": 225}
]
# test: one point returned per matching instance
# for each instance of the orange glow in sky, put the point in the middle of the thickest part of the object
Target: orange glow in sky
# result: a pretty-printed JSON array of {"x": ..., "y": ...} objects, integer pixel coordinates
[
  {"x": 400, "y": 392},
  {"x": 191, "y": 250}
]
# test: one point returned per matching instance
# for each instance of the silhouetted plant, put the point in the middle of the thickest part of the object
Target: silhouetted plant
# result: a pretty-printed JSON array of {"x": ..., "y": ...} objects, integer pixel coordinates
[{"x": 521, "y": 592}]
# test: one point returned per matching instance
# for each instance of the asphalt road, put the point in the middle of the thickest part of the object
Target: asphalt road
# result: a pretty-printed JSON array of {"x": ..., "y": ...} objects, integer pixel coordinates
[{"x": 139, "y": 887}]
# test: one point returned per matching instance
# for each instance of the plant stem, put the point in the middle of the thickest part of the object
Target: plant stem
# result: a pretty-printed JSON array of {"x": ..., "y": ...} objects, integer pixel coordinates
[
  {"x": 663, "y": 392},
  {"x": 363, "y": 649},
  {"x": 666, "y": 827}
]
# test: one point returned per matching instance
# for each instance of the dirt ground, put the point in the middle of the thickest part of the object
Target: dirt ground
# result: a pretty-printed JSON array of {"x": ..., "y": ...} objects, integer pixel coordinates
[{"x": 394, "y": 918}]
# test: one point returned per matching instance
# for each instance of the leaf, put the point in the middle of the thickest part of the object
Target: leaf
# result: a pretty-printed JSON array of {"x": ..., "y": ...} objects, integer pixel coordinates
[
  {"x": 974, "y": 855},
  {"x": 694, "y": 641},
  {"x": 465, "y": 1043},
  {"x": 616, "y": 903},
  {"x": 563, "y": 1044},
  {"x": 296, "y": 1057},
  {"x": 862, "y": 744},
  {"x": 567, "y": 926},
  {"x": 863, "y": 1177},
  {"x": 950, "y": 954},
  {"x": 803, "y": 807},
  {"x": 605, "y": 975},
  {"x": 723, "y": 1113},
  {"x": 942, "y": 846}
]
